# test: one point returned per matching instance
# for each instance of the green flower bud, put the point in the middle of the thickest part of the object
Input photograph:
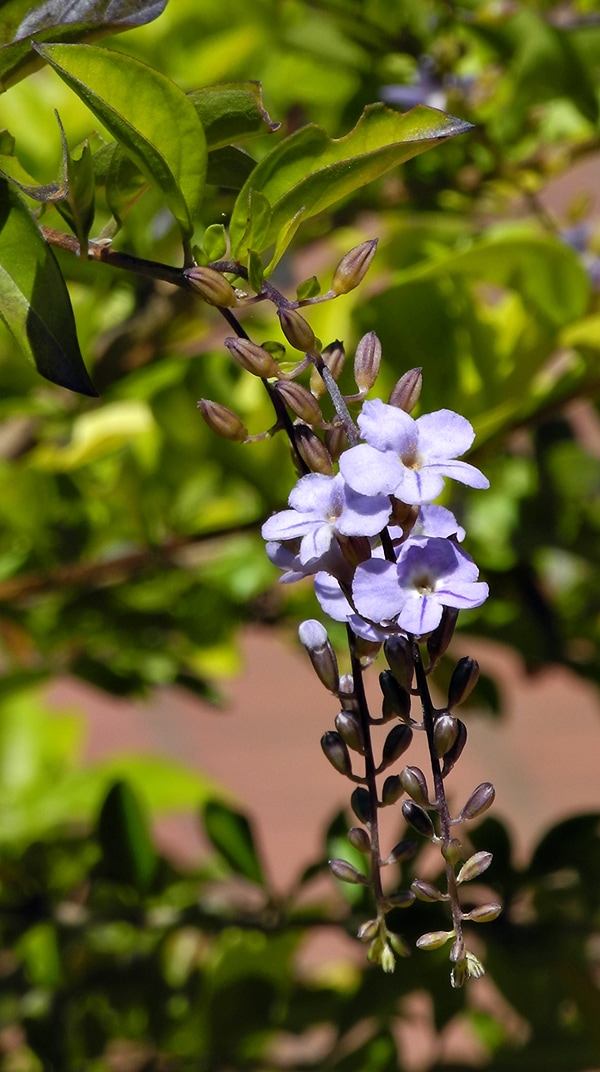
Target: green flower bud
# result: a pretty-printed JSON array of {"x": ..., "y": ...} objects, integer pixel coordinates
[
  {"x": 367, "y": 361},
  {"x": 313, "y": 637},
  {"x": 353, "y": 267},
  {"x": 368, "y": 930},
  {"x": 475, "y": 866},
  {"x": 388, "y": 960},
  {"x": 312, "y": 450},
  {"x": 414, "y": 783},
  {"x": 398, "y": 944},
  {"x": 300, "y": 401},
  {"x": 360, "y": 802},
  {"x": 297, "y": 330},
  {"x": 418, "y": 818},
  {"x": 222, "y": 420},
  {"x": 253, "y": 358},
  {"x": 392, "y": 790},
  {"x": 395, "y": 744},
  {"x": 211, "y": 286},
  {"x": 350, "y": 730},
  {"x": 457, "y": 952},
  {"x": 445, "y": 732},
  {"x": 359, "y": 839},
  {"x": 403, "y": 850},
  {"x": 345, "y": 872},
  {"x": 434, "y": 939},
  {"x": 405, "y": 394},
  {"x": 426, "y": 891},
  {"x": 463, "y": 681},
  {"x": 399, "y": 654},
  {"x": 484, "y": 913},
  {"x": 336, "y": 751},
  {"x": 452, "y": 851},
  {"x": 468, "y": 968},
  {"x": 454, "y": 753},
  {"x": 396, "y": 699},
  {"x": 480, "y": 800}
]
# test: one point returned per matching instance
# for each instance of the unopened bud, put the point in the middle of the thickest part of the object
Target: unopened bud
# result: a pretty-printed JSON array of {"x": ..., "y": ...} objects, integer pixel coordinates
[
  {"x": 401, "y": 899},
  {"x": 312, "y": 450},
  {"x": 403, "y": 515},
  {"x": 426, "y": 891},
  {"x": 414, "y": 783},
  {"x": 345, "y": 872},
  {"x": 360, "y": 802},
  {"x": 480, "y": 800},
  {"x": 313, "y": 637},
  {"x": 222, "y": 420},
  {"x": 445, "y": 732},
  {"x": 452, "y": 851},
  {"x": 457, "y": 952},
  {"x": 387, "y": 959},
  {"x": 404, "y": 850},
  {"x": 353, "y": 267},
  {"x": 368, "y": 931},
  {"x": 399, "y": 654},
  {"x": 434, "y": 939},
  {"x": 336, "y": 751},
  {"x": 405, "y": 394},
  {"x": 367, "y": 361},
  {"x": 400, "y": 947},
  {"x": 366, "y": 651},
  {"x": 454, "y": 753},
  {"x": 484, "y": 913},
  {"x": 359, "y": 839},
  {"x": 336, "y": 440},
  {"x": 475, "y": 866},
  {"x": 439, "y": 640},
  {"x": 253, "y": 358},
  {"x": 396, "y": 699},
  {"x": 300, "y": 401},
  {"x": 463, "y": 681},
  {"x": 395, "y": 745},
  {"x": 297, "y": 330},
  {"x": 334, "y": 357},
  {"x": 211, "y": 286},
  {"x": 392, "y": 790},
  {"x": 418, "y": 818},
  {"x": 349, "y": 728},
  {"x": 355, "y": 549}
]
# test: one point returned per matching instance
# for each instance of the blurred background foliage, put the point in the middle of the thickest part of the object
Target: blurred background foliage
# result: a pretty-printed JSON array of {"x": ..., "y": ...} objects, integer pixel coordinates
[{"x": 130, "y": 551}]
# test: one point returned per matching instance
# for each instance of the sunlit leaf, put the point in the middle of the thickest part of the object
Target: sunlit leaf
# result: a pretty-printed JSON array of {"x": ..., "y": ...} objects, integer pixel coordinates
[
  {"x": 231, "y": 111},
  {"x": 231, "y": 834},
  {"x": 34, "y": 302}
]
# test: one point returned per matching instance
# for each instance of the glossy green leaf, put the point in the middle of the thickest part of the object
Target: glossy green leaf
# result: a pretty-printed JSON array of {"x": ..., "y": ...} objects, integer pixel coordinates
[
  {"x": 34, "y": 302},
  {"x": 231, "y": 111},
  {"x": 77, "y": 209},
  {"x": 62, "y": 20},
  {"x": 310, "y": 171},
  {"x": 46, "y": 193},
  {"x": 147, "y": 114},
  {"x": 229, "y": 167},
  {"x": 231, "y": 834},
  {"x": 124, "y": 834}
]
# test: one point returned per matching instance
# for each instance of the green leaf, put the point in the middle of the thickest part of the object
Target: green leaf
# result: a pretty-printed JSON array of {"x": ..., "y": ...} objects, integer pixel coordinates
[
  {"x": 229, "y": 167},
  {"x": 123, "y": 832},
  {"x": 231, "y": 834},
  {"x": 77, "y": 209},
  {"x": 147, "y": 114},
  {"x": 46, "y": 193},
  {"x": 310, "y": 171},
  {"x": 214, "y": 242},
  {"x": 62, "y": 20},
  {"x": 230, "y": 112},
  {"x": 34, "y": 302}
]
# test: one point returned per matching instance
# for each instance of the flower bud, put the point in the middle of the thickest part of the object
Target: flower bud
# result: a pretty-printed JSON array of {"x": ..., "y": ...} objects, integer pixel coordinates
[
  {"x": 454, "y": 753},
  {"x": 359, "y": 839},
  {"x": 353, "y": 267},
  {"x": 313, "y": 637},
  {"x": 211, "y": 286},
  {"x": 414, "y": 783},
  {"x": 387, "y": 960},
  {"x": 368, "y": 930},
  {"x": 253, "y": 358},
  {"x": 403, "y": 515},
  {"x": 445, "y": 732},
  {"x": 463, "y": 681},
  {"x": 399, "y": 654},
  {"x": 355, "y": 549},
  {"x": 426, "y": 891},
  {"x": 480, "y": 800},
  {"x": 434, "y": 939},
  {"x": 297, "y": 330},
  {"x": 439, "y": 640},
  {"x": 366, "y": 650},
  {"x": 458, "y": 950},
  {"x": 392, "y": 790},
  {"x": 336, "y": 751},
  {"x": 334, "y": 357},
  {"x": 452, "y": 851},
  {"x": 398, "y": 944},
  {"x": 367, "y": 362},
  {"x": 418, "y": 818},
  {"x": 360, "y": 802},
  {"x": 484, "y": 913},
  {"x": 222, "y": 420},
  {"x": 300, "y": 401},
  {"x": 336, "y": 440},
  {"x": 395, "y": 744},
  {"x": 312, "y": 450},
  {"x": 403, "y": 850},
  {"x": 475, "y": 866},
  {"x": 350, "y": 730},
  {"x": 345, "y": 872},
  {"x": 396, "y": 699},
  {"x": 405, "y": 394},
  {"x": 401, "y": 899}
]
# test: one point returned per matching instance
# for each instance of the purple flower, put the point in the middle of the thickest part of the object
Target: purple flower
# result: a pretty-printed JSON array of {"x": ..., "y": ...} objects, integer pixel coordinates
[
  {"x": 432, "y": 521},
  {"x": 430, "y": 573},
  {"x": 409, "y": 458},
  {"x": 333, "y": 601},
  {"x": 322, "y": 506}
]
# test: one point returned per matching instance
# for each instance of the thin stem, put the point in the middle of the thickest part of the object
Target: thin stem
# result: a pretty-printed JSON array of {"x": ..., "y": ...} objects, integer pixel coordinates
[{"x": 441, "y": 802}]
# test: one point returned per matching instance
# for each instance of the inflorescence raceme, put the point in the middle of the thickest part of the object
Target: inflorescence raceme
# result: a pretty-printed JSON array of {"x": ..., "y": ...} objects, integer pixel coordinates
[{"x": 388, "y": 563}]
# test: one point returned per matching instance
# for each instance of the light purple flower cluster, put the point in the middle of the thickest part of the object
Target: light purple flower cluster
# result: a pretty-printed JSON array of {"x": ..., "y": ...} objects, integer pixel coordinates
[{"x": 334, "y": 525}]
